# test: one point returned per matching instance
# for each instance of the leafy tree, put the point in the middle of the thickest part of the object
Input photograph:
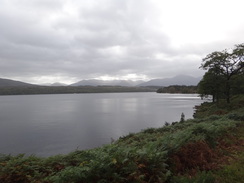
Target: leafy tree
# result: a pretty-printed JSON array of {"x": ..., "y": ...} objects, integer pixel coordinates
[
  {"x": 211, "y": 84},
  {"x": 237, "y": 84},
  {"x": 227, "y": 64}
]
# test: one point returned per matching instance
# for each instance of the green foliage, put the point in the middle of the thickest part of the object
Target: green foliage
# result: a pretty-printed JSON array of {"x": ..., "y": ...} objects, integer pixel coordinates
[
  {"x": 224, "y": 76},
  {"x": 182, "y": 118},
  {"x": 178, "y": 89},
  {"x": 237, "y": 84},
  {"x": 20, "y": 169},
  {"x": 232, "y": 172},
  {"x": 236, "y": 116},
  {"x": 201, "y": 177},
  {"x": 211, "y": 84},
  {"x": 116, "y": 164},
  {"x": 220, "y": 108}
]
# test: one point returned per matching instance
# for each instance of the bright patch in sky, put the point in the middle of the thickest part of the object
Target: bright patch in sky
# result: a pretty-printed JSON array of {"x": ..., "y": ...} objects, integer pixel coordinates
[{"x": 133, "y": 77}]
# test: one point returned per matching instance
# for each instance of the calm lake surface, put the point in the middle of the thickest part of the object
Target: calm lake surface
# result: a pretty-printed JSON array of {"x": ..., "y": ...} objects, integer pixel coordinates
[{"x": 47, "y": 125}]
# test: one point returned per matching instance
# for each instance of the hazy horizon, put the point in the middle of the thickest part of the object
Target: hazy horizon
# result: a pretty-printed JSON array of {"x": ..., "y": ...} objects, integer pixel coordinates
[{"x": 105, "y": 80}]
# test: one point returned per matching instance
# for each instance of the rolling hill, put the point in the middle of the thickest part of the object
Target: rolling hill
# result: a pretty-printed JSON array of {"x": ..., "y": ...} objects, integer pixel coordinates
[
  {"x": 177, "y": 80},
  {"x": 13, "y": 83}
]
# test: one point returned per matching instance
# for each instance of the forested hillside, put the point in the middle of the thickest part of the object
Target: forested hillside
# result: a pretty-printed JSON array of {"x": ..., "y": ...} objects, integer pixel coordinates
[{"x": 178, "y": 89}]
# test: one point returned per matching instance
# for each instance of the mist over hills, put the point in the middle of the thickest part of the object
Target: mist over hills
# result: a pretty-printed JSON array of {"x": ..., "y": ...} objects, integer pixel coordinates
[
  {"x": 54, "y": 84},
  {"x": 96, "y": 82},
  {"x": 177, "y": 80}
]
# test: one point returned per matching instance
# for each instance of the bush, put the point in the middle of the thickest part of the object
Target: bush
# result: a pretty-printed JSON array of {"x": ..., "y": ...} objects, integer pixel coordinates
[{"x": 20, "y": 169}]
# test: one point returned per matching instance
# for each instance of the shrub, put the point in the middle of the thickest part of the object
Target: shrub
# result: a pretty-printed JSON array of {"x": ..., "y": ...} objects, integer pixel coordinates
[{"x": 20, "y": 169}]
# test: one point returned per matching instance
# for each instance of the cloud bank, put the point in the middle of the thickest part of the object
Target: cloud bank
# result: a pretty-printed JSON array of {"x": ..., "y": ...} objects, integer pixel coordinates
[{"x": 70, "y": 40}]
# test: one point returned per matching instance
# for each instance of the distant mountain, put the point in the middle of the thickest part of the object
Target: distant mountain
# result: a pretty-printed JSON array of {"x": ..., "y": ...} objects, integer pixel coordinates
[
  {"x": 177, "y": 80},
  {"x": 96, "y": 82},
  {"x": 12, "y": 83}
]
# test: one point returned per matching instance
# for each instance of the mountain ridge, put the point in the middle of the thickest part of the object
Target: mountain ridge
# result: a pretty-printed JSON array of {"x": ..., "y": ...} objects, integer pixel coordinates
[
  {"x": 13, "y": 83},
  {"x": 176, "y": 80}
]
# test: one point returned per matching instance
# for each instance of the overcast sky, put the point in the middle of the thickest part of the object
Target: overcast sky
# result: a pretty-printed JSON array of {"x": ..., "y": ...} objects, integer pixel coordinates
[{"x": 46, "y": 41}]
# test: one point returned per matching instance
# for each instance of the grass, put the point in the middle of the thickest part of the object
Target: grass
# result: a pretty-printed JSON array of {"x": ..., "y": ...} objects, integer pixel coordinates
[
  {"x": 233, "y": 169},
  {"x": 232, "y": 172},
  {"x": 204, "y": 149}
]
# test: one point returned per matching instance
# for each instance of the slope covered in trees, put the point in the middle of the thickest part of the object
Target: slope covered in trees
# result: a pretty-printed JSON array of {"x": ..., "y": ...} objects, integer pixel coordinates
[{"x": 178, "y": 89}]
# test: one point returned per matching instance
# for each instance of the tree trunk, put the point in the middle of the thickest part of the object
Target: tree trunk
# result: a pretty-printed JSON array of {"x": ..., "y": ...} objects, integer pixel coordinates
[
  {"x": 228, "y": 91},
  {"x": 213, "y": 99}
]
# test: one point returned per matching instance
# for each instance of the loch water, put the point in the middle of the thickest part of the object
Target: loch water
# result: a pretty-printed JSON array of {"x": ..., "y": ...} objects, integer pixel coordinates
[{"x": 46, "y": 125}]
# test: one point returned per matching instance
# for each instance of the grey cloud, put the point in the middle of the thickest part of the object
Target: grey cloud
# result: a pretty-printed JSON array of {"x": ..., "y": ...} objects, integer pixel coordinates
[{"x": 87, "y": 39}]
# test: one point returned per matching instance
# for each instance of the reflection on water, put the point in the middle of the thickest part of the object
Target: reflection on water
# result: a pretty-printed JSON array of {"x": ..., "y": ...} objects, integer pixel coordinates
[{"x": 51, "y": 124}]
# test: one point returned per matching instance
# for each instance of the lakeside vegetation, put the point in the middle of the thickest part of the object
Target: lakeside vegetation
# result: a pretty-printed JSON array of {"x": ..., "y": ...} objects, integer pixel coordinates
[
  {"x": 225, "y": 74},
  {"x": 178, "y": 89}
]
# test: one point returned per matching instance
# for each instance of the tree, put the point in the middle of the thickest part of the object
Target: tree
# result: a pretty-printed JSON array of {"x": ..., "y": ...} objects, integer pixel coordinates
[
  {"x": 237, "y": 84},
  {"x": 225, "y": 64},
  {"x": 182, "y": 117},
  {"x": 211, "y": 84}
]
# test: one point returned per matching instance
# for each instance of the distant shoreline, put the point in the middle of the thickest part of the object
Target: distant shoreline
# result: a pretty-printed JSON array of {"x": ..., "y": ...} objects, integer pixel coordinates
[{"x": 35, "y": 90}]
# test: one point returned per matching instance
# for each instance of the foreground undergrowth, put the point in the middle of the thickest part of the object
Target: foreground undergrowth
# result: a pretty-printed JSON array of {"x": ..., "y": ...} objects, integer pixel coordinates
[{"x": 205, "y": 149}]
